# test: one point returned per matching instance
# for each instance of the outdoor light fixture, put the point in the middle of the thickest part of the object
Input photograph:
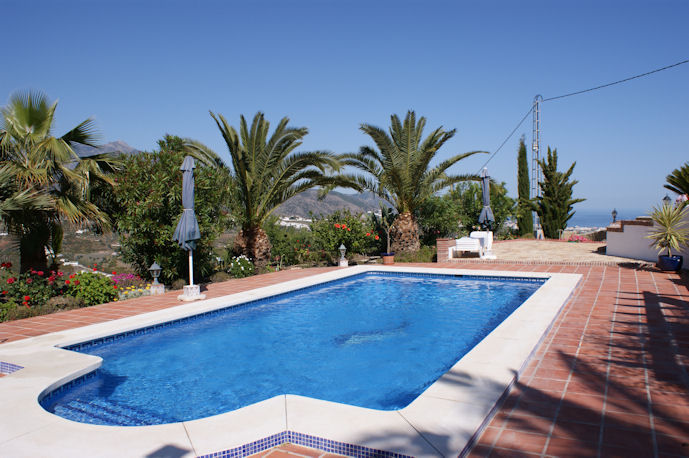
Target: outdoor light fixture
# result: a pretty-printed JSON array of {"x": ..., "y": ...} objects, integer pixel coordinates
[
  {"x": 155, "y": 270},
  {"x": 666, "y": 200},
  {"x": 614, "y": 215},
  {"x": 343, "y": 261}
]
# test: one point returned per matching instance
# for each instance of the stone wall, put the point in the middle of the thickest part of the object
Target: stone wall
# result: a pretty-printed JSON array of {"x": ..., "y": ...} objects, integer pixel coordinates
[{"x": 443, "y": 248}]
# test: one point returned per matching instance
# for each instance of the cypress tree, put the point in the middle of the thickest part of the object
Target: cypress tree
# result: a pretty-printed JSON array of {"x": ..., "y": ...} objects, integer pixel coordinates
[
  {"x": 524, "y": 218},
  {"x": 555, "y": 206}
]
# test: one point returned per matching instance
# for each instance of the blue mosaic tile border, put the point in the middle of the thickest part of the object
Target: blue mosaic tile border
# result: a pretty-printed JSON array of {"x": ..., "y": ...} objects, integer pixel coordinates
[
  {"x": 8, "y": 368},
  {"x": 47, "y": 397},
  {"x": 82, "y": 346},
  {"x": 305, "y": 440}
]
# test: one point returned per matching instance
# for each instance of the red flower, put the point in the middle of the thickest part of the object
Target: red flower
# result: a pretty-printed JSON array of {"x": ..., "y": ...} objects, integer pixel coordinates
[
  {"x": 10, "y": 280},
  {"x": 94, "y": 264},
  {"x": 27, "y": 304},
  {"x": 114, "y": 273},
  {"x": 349, "y": 229},
  {"x": 95, "y": 270},
  {"x": 72, "y": 276},
  {"x": 376, "y": 237},
  {"x": 8, "y": 264},
  {"x": 40, "y": 273},
  {"x": 114, "y": 286},
  {"x": 76, "y": 282},
  {"x": 27, "y": 298},
  {"x": 66, "y": 282},
  {"x": 28, "y": 281},
  {"x": 4, "y": 292},
  {"x": 60, "y": 274},
  {"x": 337, "y": 226},
  {"x": 367, "y": 234}
]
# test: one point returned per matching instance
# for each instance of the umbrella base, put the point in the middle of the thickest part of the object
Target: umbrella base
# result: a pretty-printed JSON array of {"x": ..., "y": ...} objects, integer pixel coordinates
[{"x": 191, "y": 293}]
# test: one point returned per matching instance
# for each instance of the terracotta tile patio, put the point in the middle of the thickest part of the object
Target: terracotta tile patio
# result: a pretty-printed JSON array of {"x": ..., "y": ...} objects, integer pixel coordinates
[{"x": 610, "y": 379}]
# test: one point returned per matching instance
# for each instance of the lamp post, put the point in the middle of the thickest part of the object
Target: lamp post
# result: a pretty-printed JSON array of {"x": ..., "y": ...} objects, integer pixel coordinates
[
  {"x": 156, "y": 288},
  {"x": 614, "y": 215},
  {"x": 343, "y": 260},
  {"x": 666, "y": 200}
]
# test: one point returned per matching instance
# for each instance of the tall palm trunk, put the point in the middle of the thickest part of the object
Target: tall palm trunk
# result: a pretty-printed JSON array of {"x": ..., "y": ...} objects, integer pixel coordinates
[
  {"x": 254, "y": 243},
  {"x": 405, "y": 233},
  {"x": 32, "y": 243}
]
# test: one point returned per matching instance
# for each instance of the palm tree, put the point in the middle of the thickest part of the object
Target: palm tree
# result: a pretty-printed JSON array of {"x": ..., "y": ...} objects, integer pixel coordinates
[
  {"x": 678, "y": 180},
  {"x": 399, "y": 171},
  {"x": 267, "y": 172},
  {"x": 46, "y": 169}
]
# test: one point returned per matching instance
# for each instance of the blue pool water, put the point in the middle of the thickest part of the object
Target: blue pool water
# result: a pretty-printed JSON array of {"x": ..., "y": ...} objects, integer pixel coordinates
[{"x": 374, "y": 340}]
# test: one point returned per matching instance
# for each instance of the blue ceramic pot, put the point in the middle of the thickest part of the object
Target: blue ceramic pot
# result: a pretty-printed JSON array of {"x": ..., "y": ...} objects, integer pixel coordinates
[{"x": 670, "y": 263}]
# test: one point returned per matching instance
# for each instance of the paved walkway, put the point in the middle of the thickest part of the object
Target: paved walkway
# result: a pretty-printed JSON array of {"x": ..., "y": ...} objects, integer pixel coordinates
[
  {"x": 610, "y": 379},
  {"x": 557, "y": 252}
]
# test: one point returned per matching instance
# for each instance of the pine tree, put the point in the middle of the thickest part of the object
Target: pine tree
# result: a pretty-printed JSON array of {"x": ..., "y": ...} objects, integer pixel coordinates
[
  {"x": 524, "y": 218},
  {"x": 555, "y": 206}
]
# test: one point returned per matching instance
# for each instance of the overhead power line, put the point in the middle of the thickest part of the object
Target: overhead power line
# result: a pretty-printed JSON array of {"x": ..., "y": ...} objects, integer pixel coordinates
[
  {"x": 616, "y": 82},
  {"x": 577, "y": 93},
  {"x": 506, "y": 139}
]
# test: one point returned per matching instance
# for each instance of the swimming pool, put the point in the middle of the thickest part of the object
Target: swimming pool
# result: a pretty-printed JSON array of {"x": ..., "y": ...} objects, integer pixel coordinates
[
  {"x": 374, "y": 340},
  {"x": 440, "y": 422}
]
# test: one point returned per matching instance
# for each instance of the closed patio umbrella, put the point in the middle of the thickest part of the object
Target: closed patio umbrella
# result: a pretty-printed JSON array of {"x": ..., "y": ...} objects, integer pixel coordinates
[
  {"x": 486, "y": 217},
  {"x": 187, "y": 231}
]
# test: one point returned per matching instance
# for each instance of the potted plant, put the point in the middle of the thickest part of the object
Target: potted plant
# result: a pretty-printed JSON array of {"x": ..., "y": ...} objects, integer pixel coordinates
[{"x": 669, "y": 233}]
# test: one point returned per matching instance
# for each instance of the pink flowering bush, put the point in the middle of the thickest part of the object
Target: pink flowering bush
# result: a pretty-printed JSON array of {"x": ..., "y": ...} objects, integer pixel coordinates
[
  {"x": 126, "y": 280},
  {"x": 577, "y": 238}
]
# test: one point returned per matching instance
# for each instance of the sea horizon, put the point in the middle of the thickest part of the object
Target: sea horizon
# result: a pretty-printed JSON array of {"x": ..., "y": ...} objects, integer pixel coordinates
[{"x": 589, "y": 217}]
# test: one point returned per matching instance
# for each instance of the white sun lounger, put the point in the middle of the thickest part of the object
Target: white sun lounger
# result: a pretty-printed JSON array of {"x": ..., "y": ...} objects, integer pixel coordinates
[{"x": 480, "y": 242}]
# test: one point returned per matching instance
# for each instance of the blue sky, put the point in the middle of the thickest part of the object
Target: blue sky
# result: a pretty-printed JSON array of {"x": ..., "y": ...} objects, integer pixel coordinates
[{"x": 143, "y": 69}]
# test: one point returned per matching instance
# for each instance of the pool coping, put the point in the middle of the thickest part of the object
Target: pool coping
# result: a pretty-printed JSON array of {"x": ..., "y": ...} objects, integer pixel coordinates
[{"x": 442, "y": 421}]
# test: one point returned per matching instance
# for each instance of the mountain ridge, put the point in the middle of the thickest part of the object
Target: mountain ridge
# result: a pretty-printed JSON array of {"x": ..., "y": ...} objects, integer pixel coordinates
[
  {"x": 307, "y": 203},
  {"x": 117, "y": 146}
]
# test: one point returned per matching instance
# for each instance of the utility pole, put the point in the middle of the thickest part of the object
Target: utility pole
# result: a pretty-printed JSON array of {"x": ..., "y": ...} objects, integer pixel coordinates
[{"x": 535, "y": 156}]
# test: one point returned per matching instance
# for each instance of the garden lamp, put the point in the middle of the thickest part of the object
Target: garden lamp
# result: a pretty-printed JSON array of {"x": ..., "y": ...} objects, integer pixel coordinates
[
  {"x": 614, "y": 215},
  {"x": 666, "y": 200},
  {"x": 343, "y": 250},
  {"x": 155, "y": 270}
]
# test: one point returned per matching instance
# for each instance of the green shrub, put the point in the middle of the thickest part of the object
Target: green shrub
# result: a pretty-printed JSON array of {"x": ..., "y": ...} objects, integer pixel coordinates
[
  {"x": 438, "y": 217},
  {"x": 342, "y": 227},
  {"x": 91, "y": 287},
  {"x": 240, "y": 267},
  {"x": 149, "y": 205},
  {"x": 425, "y": 254},
  {"x": 291, "y": 245}
]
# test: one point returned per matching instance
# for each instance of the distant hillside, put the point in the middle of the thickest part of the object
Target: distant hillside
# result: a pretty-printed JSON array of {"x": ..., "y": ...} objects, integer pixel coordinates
[
  {"x": 307, "y": 201},
  {"x": 113, "y": 147}
]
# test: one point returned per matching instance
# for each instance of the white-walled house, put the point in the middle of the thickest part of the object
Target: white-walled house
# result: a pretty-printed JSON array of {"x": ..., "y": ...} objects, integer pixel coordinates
[{"x": 627, "y": 239}]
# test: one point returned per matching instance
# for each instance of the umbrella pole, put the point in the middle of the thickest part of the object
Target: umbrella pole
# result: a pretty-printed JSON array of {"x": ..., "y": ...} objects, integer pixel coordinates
[{"x": 191, "y": 268}]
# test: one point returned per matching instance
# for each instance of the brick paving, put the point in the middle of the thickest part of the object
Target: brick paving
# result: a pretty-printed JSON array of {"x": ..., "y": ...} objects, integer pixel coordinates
[
  {"x": 610, "y": 379},
  {"x": 35, "y": 326}
]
